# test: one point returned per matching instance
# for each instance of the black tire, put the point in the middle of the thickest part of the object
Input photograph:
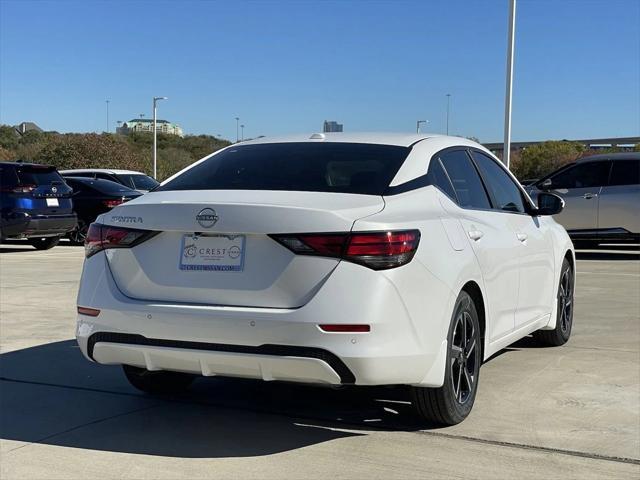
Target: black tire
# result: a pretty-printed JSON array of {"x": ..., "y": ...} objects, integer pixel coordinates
[
  {"x": 161, "y": 381},
  {"x": 564, "y": 322},
  {"x": 44, "y": 243},
  {"x": 78, "y": 234},
  {"x": 449, "y": 405}
]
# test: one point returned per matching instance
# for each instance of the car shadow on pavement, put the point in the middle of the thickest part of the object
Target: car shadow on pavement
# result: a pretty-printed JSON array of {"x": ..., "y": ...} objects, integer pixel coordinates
[
  {"x": 615, "y": 256},
  {"x": 50, "y": 394},
  {"x": 17, "y": 249}
]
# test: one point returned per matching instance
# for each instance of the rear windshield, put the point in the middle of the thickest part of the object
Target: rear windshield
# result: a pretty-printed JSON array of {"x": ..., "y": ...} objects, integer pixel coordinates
[
  {"x": 139, "y": 182},
  {"x": 111, "y": 188},
  {"x": 38, "y": 176},
  {"x": 313, "y": 167},
  {"x": 105, "y": 187}
]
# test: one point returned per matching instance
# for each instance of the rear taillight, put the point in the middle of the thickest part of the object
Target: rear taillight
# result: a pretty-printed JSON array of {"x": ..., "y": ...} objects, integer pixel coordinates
[
  {"x": 112, "y": 203},
  {"x": 376, "y": 250},
  {"x": 101, "y": 237},
  {"x": 20, "y": 189}
]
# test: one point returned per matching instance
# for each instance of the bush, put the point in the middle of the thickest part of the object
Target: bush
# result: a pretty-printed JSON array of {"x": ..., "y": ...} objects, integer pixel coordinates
[
  {"x": 539, "y": 160},
  {"x": 90, "y": 150}
]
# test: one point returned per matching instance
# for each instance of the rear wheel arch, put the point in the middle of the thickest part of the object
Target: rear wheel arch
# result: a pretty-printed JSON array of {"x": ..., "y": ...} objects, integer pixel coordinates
[
  {"x": 474, "y": 291},
  {"x": 569, "y": 256}
]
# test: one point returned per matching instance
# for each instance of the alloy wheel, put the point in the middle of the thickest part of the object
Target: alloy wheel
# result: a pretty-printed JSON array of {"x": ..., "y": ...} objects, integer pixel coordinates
[
  {"x": 463, "y": 357},
  {"x": 565, "y": 300}
]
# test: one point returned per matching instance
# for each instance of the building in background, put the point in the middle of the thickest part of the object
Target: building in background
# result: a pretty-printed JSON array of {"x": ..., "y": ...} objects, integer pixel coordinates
[
  {"x": 25, "y": 127},
  {"x": 146, "y": 125},
  {"x": 331, "y": 126}
]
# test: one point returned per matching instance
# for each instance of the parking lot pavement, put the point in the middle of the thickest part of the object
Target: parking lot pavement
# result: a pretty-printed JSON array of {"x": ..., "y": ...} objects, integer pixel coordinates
[{"x": 570, "y": 412}]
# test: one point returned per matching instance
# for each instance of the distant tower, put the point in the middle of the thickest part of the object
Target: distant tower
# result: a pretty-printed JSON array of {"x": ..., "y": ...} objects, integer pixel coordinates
[{"x": 331, "y": 126}]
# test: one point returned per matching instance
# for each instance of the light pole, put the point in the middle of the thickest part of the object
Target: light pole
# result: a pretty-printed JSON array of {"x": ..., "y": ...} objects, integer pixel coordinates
[
  {"x": 237, "y": 127},
  {"x": 448, "y": 99},
  {"x": 107, "y": 102},
  {"x": 155, "y": 135},
  {"x": 420, "y": 122},
  {"x": 506, "y": 149},
  {"x": 242, "y": 132}
]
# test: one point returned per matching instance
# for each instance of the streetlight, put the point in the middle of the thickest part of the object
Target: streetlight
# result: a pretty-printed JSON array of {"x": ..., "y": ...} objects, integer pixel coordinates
[
  {"x": 107, "y": 102},
  {"x": 155, "y": 135},
  {"x": 420, "y": 122},
  {"x": 242, "y": 137},
  {"x": 448, "y": 99},
  {"x": 506, "y": 149},
  {"x": 237, "y": 131}
]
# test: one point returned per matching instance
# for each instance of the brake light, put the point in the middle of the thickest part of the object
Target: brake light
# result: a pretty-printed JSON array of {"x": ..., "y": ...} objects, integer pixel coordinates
[
  {"x": 375, "y": 250},
  {"x": 20, "y": 189},
  {"x": 102, "y": 237},
  {"x": 112, "y": 203}
]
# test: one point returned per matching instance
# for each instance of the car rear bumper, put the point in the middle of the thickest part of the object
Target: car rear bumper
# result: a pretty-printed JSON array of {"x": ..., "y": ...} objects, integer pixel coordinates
[
  {"x": 270, "y": 343},
  {"x": 24, "y": 225}
]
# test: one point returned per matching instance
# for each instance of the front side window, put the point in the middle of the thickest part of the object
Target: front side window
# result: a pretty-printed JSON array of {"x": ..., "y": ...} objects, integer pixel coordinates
[
  {"x": 506, "y": 194},
  {"x": 301, "y": 166},
  {"x": 582, "y": 175},
  {"x": 625, "y": 172},
  {"x": 466, "y": 181}
]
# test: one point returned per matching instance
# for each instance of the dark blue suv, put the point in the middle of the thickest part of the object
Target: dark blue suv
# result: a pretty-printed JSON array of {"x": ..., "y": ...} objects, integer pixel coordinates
[{"x": 35, "y": 204}]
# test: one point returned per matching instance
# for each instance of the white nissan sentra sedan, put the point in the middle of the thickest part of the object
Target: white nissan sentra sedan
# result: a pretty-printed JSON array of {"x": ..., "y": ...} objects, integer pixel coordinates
[{"x": 364, "y": 259}]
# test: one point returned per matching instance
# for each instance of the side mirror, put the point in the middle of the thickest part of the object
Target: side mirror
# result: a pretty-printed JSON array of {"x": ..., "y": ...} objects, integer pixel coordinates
[
  {"x": 546, "y": 185},
  {"x": 549, "y": 204}
]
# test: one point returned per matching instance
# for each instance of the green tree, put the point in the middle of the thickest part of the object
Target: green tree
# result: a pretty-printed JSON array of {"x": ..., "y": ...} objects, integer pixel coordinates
[{"x": 538, "y": 160}]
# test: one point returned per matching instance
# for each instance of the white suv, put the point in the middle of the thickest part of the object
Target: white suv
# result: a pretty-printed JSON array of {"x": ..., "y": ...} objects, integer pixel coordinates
[{"x": 366, "y": 259}]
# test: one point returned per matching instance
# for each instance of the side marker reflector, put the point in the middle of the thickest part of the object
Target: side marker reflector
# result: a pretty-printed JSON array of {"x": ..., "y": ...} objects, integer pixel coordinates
[
  {"x": 345, "y": 328},
  {"x": 91, "y": 312}
]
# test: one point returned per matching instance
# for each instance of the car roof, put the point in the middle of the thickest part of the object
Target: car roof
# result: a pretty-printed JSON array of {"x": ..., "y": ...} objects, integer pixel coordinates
[
  {"x": 26, "y": 164},
  {"x": 611, "y": 156},
  {"x": 102, "y": 170},
  {"x": 379, "y": 138}
]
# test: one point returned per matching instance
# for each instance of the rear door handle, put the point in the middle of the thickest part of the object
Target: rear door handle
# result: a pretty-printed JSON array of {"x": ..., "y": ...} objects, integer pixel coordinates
[
  {"x": 522, "y": 237},
  {"x": 475, "y": 235},
  {"x": 589, "y": 196}
]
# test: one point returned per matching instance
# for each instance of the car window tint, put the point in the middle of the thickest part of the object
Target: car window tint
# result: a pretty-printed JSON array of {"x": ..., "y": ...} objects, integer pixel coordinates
[
  {"x": 306, "y": 166},
  {"x": 582, "y": 175},
  {"x": 438, "y": 177},
  {"x": 465, "y": 179},
  {"x": 111, "y": 188},
  {"x": 625, "y": 172},
  {"x": 506, "y": 194},
  {"x": 38, "y": 176},
  {"x": 142, "y": 182},
  {"x": 8, "y": 177}
]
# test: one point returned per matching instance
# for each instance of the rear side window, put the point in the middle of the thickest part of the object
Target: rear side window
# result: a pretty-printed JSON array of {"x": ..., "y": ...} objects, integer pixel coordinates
[
  {"x": 506, "y": 194},
  {"x": 465, "y": 179},
  {"x": 314, "y": 167},
  {"x": 582, "y": 175},
  {"x": 438, "y": 177},
  {"x": 38, "y": 176},
  {"x": 625, "y": 172}
]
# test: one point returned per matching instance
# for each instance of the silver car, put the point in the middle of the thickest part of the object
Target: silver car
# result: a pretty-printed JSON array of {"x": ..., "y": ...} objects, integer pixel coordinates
[{"x": 602, "y": 196}]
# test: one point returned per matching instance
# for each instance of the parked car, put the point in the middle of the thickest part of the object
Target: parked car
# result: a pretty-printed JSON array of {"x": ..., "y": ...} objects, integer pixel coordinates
[
  {"x": 129, "y": 178},
  {"x": 366, "y": 259},
  {"x": 91, "y": 197},
  {"x": 602, "y": 198},
  {"x": 35, "y": 204}
]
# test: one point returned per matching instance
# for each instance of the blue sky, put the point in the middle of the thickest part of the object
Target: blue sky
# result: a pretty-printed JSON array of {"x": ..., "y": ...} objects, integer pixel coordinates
[{"x": 285, "y": 66}]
